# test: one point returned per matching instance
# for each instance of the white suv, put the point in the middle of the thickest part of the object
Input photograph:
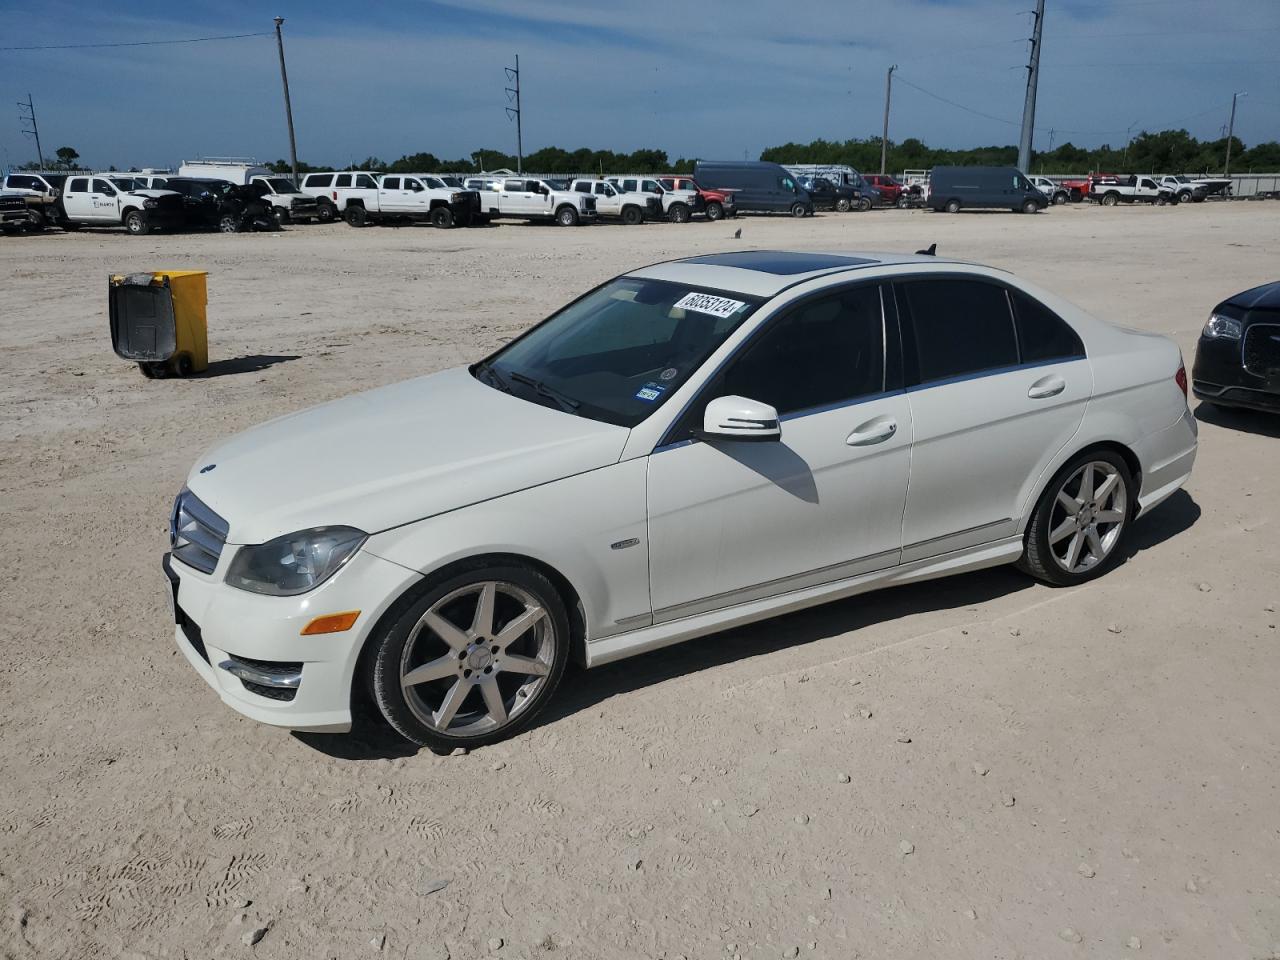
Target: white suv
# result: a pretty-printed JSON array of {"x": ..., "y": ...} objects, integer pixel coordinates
[
  {"x": 692, "y": 446},
  {"x": 325, "y": 186},
  {"x": 678, "y": 205}
]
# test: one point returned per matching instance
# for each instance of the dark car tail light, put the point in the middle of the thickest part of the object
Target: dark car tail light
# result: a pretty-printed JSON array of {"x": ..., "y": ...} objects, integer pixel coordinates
[{"x": 1180, "y": 378}]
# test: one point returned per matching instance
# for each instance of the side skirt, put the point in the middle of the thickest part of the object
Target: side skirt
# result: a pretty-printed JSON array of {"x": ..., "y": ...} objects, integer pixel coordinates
[{"x": 660, "y": 635}]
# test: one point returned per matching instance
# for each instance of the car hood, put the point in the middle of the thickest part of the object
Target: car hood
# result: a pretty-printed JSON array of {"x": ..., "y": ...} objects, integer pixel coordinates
[
  {"x": 153, "y": 193},
  {"x": 393, "y": 455}
]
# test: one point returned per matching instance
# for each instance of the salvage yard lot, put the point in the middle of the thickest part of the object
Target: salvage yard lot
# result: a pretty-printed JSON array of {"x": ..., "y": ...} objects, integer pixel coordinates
[{"x": 1031, "y": 772}]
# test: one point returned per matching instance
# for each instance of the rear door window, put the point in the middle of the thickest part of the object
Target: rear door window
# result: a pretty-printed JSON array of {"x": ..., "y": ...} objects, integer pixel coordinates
[
  {"x": 960, "y": 327},
  {"x": 391, "y": 183},
  {"x": 344, "y": 180},
  {"x": 320, "y": 180},
  {"x": 78, "y": 185}
]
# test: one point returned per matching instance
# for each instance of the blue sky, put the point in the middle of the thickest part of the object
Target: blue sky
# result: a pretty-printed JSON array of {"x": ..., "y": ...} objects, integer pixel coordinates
[{"x": 710, "y": 79}]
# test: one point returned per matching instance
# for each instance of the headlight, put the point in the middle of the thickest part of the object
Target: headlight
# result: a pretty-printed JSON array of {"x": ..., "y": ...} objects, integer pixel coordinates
[
  {"x": 150, "y": 204},
  {"x": 294, "y": 563},
  {"x": 1222, "y": 328},
  {"x": 455, "y": 198}
]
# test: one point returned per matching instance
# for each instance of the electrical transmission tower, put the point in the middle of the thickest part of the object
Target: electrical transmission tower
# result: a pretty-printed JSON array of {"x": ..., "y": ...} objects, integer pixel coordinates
[
  {"x": 28, "y": 116},
  {"x": 513, "y": 113}
]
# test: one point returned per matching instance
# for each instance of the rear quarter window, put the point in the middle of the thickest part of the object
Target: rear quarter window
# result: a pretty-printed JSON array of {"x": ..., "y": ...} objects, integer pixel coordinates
[{"x": 1042, "y": 334}]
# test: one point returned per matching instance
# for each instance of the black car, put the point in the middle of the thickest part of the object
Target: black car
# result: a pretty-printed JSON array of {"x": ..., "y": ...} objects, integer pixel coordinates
[
  {"x": 225, "y": 206},
  {"x": 1238, "y": 356},
  {"x": 830, "y": 195}
]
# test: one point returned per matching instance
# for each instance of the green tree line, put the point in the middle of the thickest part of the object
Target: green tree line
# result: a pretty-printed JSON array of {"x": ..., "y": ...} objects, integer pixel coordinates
[
  {"x": 1169, "y": 151},
  {"x": 548, "y": 160}
]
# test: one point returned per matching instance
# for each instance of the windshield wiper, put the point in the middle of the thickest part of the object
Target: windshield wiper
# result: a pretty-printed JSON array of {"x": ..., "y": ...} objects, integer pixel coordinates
[
  {"x": 566, "y": 402},
  {"x": 491, "y": 374}
]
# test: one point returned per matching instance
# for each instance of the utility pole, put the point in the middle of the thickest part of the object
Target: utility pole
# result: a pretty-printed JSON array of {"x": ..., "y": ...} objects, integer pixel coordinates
[
  {"x": 1230, "y": 133},
  {"x": 1128, "y": 138},
  {"x": 30, "y": 117},
  {"x": 513, "y": 113},
  {"x": 288, "y": 107},
  {"x": 884, "y": 136},
  {"x": 1033, "y": 80}
]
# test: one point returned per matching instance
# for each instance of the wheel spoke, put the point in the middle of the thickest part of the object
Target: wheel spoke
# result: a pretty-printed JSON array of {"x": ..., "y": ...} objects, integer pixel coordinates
[
  {"x": 1086, "y": 484},
  {"x": 1064, "y": 530},
  {"x": 1095, "y": 542},
  {"x": 493, "y": 700},
  {"x": 1073, "y": 553},
  {"x": 446, "y": 631},
  {"x": 1108, "y": 485},
  {"x": 517, "y": 627},
  {"x": 1069, "y": 503},
  {"x": 435, "y": 670},
  {"x": 1109, "y": 516},
  {"x": 449, "y": 709},
  {"x": 525, "y": 665},
  {"x": 482, "y": 625}
]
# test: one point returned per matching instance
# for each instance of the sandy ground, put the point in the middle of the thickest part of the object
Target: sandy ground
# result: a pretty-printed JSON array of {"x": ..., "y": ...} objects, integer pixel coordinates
[{"x": 1066, "y": 791}]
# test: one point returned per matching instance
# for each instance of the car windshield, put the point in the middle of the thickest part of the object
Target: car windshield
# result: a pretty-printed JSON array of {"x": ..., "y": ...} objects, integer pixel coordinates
[
  {"x": 621, "y": 351},
  {"x": 281, "y": 185},
  {"x": 127, "y": 183}
]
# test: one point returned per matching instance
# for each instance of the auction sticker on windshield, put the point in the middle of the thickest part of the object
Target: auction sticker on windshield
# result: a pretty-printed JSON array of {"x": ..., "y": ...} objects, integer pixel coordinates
[{"x": 706, "y": 303}]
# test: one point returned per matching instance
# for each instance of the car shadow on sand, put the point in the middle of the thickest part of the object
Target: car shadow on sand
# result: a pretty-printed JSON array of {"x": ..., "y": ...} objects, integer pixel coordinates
[
  {"x": 1237, "y": 418},
  {"x": 371, "y": 739}
]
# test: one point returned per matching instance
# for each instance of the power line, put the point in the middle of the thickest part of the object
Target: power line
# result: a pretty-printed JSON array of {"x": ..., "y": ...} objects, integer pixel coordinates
[{"x": 133, "y": 43}]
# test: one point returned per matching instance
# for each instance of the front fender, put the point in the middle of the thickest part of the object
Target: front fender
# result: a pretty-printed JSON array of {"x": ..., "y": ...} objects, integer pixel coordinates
[{"x": 589, "y": 528}]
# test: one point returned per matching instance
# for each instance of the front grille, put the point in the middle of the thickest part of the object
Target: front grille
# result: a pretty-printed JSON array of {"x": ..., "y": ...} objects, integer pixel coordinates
[
  {"x": 298, "y": 203},
  {"x": 196, "y": 533},
  {"x": 1262, "y": 349}
]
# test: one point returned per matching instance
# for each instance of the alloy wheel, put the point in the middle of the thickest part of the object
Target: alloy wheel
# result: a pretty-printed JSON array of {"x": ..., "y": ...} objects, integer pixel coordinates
[
  {"x": 1088, "y": 515},
  {"x": 476, "y": 659}
]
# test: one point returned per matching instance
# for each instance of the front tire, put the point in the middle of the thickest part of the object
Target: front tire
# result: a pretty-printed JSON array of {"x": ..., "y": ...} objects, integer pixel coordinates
[
  {"x": 797, "y": 210},
  {"x": 632, "y": 216},
  {"x": 136, "y": 224},
  {"x": 844, "y": 205},
  {"x": 228, "y": 224},
  {"x": 1059, "y": 199},
  {"x": 1081, "y": 520},
  {"x": 474, "y": 659},
  {"x": 715, "y": 210},
  {"x": 864, "y": 204},
  {"x": 567, "y": 217},
  {"x": 1030, "y": 207},
  {"x": 679, "y": 213},
  {"x": 442, "y": 217}
]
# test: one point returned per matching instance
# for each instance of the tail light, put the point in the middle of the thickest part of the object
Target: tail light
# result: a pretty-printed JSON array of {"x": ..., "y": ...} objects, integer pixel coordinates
[{"x": 1180, "y": 378}]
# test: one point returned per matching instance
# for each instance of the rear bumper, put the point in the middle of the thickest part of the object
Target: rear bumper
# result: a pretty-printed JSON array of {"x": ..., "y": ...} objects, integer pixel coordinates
[
  {"x": 248, "y": 648},
  {"x": 1167, "y": 457}
]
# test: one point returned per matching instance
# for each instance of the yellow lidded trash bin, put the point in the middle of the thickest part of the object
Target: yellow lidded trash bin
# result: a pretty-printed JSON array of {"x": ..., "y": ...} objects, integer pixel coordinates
[{"x": 158, "y": 320}]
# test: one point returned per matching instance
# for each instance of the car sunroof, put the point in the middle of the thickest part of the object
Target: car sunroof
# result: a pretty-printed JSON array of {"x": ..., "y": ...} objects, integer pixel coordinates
[{"x": 779, "y": 262}]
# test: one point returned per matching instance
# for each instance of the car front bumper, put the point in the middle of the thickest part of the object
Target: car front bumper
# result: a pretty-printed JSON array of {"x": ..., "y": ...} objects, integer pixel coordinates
[
  {"x": 249, "y": 648},
  {"x": 1242, "y": 372}
]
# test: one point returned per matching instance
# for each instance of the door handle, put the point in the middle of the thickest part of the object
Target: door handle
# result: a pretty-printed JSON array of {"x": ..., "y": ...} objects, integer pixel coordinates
[
  {"x": 1049, "y": 386},
  {"x": 873, "y": 431}
]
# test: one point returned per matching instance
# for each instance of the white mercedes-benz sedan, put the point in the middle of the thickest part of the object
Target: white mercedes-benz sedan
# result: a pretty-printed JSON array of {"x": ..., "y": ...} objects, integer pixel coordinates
[{"x": 691, "y": 446}]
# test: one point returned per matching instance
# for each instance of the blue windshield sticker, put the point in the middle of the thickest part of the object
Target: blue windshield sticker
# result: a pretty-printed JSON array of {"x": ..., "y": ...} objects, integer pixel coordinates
[{"x": 650, "y": 392}]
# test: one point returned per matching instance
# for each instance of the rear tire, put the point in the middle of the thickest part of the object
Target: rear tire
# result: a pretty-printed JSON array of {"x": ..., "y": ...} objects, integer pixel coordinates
[
  {"x": 864, "y": 204},
  {"x": 1073, "y": 510},
  {"x": 953, "y": 206},
  {"x": 442, "y": 217},
  {"x": 1110, "y": 200},
  {"x": 679, "y": 213},
  {"x": 1059, "y": 199},
  {"x": 357, "y": 216}
]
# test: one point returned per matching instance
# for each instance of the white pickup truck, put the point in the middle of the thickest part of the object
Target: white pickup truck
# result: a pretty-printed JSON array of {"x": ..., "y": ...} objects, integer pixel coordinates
[
  {"x": 411, "y": 196},
  {"x": 678, "y": 205},
  {"x": 113, "y": 200},
  {"x": 288, "y": 204},
  {"x": 522, "y": 198},
  {"x": 630, "y": 208},
  {"x": 1109, "y": 191},
  {"x": 1191, "y": 189}
]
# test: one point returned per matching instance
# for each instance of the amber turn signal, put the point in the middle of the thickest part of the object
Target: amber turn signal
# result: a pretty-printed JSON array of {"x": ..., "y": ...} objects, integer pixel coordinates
[{"x": 331, "y": 623}]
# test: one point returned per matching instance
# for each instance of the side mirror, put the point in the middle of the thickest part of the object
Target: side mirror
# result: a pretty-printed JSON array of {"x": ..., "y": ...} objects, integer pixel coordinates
[{"x": 737, "y": 418}]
